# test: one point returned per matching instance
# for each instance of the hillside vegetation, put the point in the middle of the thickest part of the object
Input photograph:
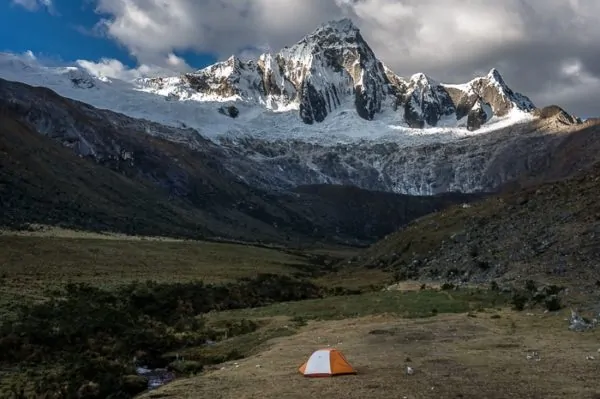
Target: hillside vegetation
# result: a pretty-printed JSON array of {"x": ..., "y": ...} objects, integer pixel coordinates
[{"x": 550, "y": 233}]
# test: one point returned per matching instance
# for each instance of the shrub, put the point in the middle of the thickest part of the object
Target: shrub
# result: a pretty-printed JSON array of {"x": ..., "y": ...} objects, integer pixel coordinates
[
  {"x": 299, "y": 321},
  {"x": 187, "y": 367},
  {"x": 447, "y": 286},
  {"x": 88, "y": 337},
  {"x": 553, "y": 303},
  {"x": 519, "y": 300},
  {"x": 483, "y": 265},
  {"x": 401, "y": 275},
  {"x": 530, "y": 286},
  {"x": 494, "y": 286}
]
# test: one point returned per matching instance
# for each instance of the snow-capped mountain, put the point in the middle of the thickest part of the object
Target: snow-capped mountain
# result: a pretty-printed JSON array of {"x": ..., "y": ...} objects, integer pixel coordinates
[
  {"x": 325, "y": 110},
  {"x": 334, "y": 67},
  {"x": 328, "y": 87}
]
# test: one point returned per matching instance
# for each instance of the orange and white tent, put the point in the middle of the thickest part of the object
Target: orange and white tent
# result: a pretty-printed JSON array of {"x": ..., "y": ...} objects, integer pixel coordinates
[{"x": 326, "y": 363}]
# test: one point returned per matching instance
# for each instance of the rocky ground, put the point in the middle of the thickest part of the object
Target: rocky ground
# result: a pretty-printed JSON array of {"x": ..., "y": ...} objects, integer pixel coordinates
[{"x": 548, "y": 233}]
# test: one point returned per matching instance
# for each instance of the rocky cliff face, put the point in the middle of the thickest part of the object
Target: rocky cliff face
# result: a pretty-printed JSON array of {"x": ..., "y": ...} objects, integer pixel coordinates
[
  {"x": 65, "y": 162},
  {"x": 480, "y": 163},
  {"x": 333, "y": 67},
  {"x": 544, "y": 148}
]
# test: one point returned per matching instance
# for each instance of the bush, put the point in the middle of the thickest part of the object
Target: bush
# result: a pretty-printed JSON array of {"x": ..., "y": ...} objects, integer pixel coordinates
[
  {"x": 447, "y": 286},
  {"x": 494, "y": 286},
  {"x": 530, "y": 286},
  {"x": 88, "y": 336},
  {"x": 483, "y": 265},
  {"x": 299, "y": 321},
  {"x": 519, "y": 300},
  {"x": 187, "y": 367},
  {"x": 401, "y": 275},
  {"x": 553, "y": 303}
]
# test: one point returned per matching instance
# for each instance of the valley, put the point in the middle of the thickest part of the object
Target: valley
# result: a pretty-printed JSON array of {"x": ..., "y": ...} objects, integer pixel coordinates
[
  {"x": 463, "y": 342},
  {"x": 224, "y": 223}
]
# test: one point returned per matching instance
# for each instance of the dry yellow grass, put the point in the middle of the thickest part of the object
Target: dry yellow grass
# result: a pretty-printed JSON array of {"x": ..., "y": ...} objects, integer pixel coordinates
[
  {"x": 454, "y": 356},
  {"x": 38, "y": 230},
  {"x": 31, "y": 264}
]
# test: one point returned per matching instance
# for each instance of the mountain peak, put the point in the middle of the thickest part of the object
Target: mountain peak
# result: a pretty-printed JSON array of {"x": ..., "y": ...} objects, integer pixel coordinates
[
  {"x": 341, "y": 28},
  {"x": 343, "y": 25},
  {"x": 423, "y": 79},
  {"x": 334, "y": 67},
  {"x": 494, "y": 75}
]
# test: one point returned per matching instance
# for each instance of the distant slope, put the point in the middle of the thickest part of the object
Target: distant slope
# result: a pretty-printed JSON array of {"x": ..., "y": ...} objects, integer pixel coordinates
[
  {"x": 373, "y": 212},
  {"x": 43, "y": 182},
  {"x": 548, "y": 232},
  {"x": 169, "y": 189},
  {"x": 568, "y": 150},
  {"x": 554, "y": 145}
]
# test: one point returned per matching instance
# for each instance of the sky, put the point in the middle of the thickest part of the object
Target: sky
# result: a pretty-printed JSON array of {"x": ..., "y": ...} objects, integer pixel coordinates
[{"x": 546, "y": 50}]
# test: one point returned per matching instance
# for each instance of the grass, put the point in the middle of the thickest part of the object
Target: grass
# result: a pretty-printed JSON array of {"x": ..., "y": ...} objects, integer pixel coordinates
[
  {"x": 33, "y": 263},
  {"x": 30, "y": 265},
  {"x": 412, "y": 304},
  {"x": 241, "y": 346},
  {"x": 286, "y": 319},
  {"x": 453, "y": 355}
]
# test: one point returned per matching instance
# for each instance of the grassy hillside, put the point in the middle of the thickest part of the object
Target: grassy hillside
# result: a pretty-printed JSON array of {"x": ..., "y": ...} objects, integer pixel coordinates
[
  {"x": 486, "y": 354},
  {"x": 42, "y": 182},
  {"x": 549, "y": 233},
  {"x": 31, "y": 264}
]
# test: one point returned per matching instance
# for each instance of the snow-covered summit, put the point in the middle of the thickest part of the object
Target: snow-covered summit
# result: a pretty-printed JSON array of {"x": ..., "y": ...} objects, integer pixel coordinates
[
  {"x": 328, "y": 87},
  {"x": 343, "y": 25},
  {"x": 328, "y": 68},
  {"x": 333, "y": 68}
]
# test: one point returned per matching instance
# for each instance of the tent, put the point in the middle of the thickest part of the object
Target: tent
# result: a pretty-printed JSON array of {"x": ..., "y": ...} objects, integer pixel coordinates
[{"x": 326, "y": 363}]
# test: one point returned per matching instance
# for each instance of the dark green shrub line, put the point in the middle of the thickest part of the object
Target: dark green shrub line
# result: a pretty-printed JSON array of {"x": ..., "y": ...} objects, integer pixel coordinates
[
  {"x": 83, "y": 340},
  {"x": 547, "y": 296}
]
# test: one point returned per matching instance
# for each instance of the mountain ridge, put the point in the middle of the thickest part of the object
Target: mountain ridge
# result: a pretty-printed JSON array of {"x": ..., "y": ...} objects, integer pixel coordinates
[
  {"x": 335, "y": 65},
  {"x": 276, "y": 151},
  {"x": 69, "y": 164},
  {"x": 480, "y": 163}
]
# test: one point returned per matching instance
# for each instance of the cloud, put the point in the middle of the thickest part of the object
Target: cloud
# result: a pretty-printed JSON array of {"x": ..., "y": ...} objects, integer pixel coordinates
[
  {"x": 107, "y": 67},
  {"x": 224, "y": 27},
  {"x": 112, "y": 68},
  {"x": 35, "y": 5},
  {"x": 451, "y": 40}
]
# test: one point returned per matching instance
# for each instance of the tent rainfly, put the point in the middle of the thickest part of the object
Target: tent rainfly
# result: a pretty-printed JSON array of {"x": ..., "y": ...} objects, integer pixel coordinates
[{"x": 326, "y": 363}]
